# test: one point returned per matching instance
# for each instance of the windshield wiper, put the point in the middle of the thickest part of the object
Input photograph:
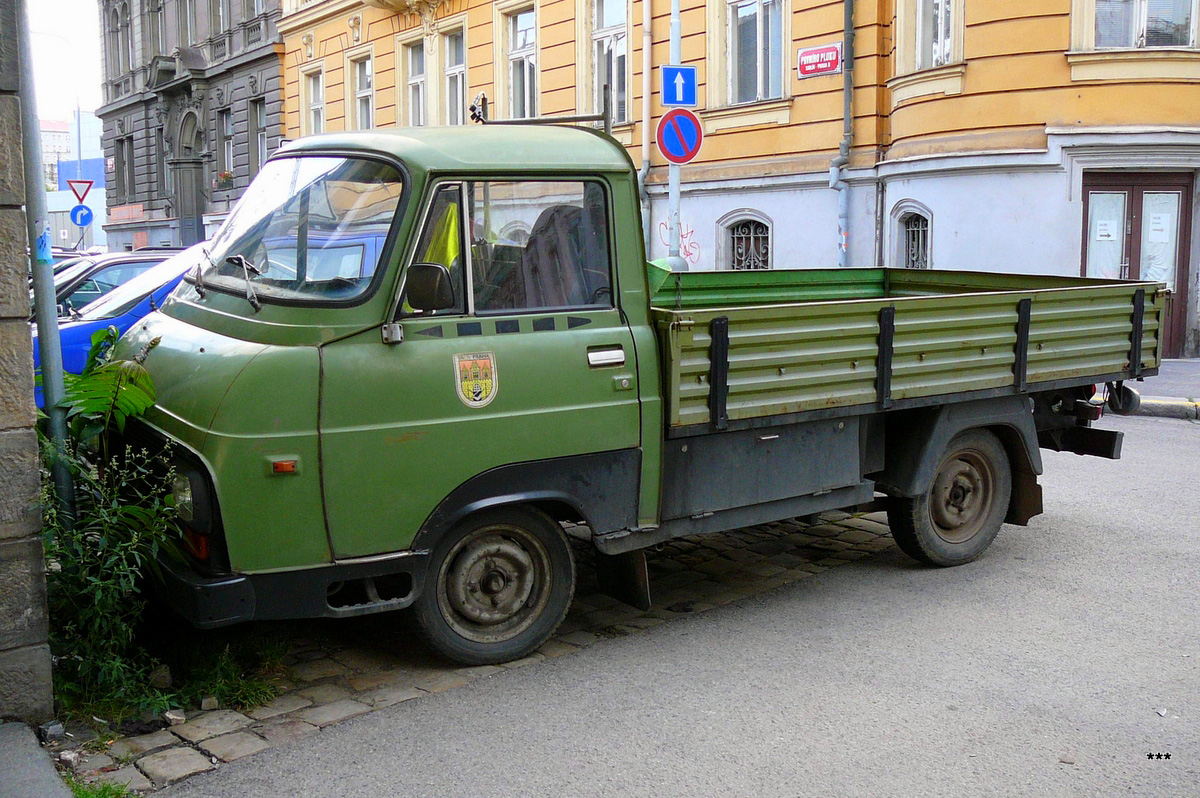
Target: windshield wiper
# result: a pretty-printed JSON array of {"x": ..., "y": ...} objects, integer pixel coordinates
[
  {"x": 247, "y": 268},
  {"x": 200, "y": 272}
]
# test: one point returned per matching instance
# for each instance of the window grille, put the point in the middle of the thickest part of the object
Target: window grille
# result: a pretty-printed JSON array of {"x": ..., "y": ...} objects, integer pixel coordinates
[
  {"x": 749, "y": 245},
  {"x": 916, "y": 241}
]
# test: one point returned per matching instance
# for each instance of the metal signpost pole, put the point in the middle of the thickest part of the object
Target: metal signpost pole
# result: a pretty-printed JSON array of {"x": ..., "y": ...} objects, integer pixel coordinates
[
  {"x": 677, "y": 263},
  {"x": 45, "y": 306}
]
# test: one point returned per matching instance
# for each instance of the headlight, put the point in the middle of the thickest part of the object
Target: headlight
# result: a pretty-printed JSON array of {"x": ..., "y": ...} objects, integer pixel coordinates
[{"x": 182, "y": 491}]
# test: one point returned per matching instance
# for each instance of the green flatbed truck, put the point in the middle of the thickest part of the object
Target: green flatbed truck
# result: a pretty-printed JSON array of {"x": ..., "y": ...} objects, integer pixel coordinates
[{"x": 413, "y": 362}]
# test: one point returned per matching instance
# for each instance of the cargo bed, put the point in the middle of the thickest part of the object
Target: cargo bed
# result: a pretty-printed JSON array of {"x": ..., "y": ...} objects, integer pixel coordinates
[{"x": 740, "y": 348}]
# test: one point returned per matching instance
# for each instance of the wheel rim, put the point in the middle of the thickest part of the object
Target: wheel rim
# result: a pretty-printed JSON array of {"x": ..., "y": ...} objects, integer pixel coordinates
[
  {"x": 494, "y": 584},
  {"x": 962, "y": 496}
]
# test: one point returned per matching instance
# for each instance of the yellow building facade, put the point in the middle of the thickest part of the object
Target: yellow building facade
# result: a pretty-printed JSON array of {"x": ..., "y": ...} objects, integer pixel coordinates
[{"x": 1054, "y": 137}]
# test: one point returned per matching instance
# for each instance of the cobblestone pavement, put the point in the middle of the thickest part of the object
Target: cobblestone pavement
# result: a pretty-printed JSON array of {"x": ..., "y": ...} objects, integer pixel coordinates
[{"x": 341, "y": 669}]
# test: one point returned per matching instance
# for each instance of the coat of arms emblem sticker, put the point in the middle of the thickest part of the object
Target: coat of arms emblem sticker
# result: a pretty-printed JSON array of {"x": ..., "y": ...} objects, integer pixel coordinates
[{"x": 475, "y": 378}]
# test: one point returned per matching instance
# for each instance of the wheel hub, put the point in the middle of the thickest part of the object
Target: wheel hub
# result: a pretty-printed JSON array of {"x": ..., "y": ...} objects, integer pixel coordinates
[
  {"x": 961, "y": 498},
  {"x": 490, "y": 580}
]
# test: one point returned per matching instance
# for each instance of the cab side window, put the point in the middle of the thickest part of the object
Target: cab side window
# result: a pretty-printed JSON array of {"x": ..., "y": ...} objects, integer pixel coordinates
[
  {"x": 442, "y": 242},
  {"x": 563, "y": 262}
]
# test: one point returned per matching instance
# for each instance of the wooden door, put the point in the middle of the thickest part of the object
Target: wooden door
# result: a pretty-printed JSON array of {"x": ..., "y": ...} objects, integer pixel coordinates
[{"x": 1137, "y": 227}]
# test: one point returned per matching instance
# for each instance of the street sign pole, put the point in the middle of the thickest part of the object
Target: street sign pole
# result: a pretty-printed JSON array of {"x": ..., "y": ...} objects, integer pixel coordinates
[
  {"x": 41, "y": 262},
  {"x": 677, "y": 263}
]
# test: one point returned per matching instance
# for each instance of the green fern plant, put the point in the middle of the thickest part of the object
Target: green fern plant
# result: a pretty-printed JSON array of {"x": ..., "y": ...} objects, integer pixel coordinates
[{"x": 107, "y": 392}]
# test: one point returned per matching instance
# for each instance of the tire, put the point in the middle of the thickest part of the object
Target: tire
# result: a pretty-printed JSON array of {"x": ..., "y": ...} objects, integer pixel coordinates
[
  {"x": 958, "y": 517},
  {"x": 498, "y": 585}
]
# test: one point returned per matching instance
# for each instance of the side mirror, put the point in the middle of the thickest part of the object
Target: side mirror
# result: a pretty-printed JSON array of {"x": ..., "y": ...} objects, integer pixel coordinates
[{"x": 427, "y": 287}]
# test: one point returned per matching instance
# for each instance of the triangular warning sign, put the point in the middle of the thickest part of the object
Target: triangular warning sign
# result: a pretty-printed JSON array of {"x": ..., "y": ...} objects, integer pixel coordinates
[{"x": 80, "y": 188}]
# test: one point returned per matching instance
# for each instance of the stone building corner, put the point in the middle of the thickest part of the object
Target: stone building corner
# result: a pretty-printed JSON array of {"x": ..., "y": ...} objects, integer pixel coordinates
[{"x": 25, "y": 691}]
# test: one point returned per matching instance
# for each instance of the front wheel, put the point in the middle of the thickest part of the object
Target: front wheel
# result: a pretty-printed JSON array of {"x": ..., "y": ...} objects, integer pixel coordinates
[
  {"x": 498, "y": 586},
  {"x": 958, "y": 517}
]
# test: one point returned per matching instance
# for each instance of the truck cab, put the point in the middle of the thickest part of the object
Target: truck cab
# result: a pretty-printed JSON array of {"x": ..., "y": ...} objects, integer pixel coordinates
[{"x": 394, "y": 332}]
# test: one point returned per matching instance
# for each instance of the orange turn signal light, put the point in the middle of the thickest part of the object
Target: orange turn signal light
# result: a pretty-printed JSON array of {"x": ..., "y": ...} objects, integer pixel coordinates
[{"x": 284, "y": 466}]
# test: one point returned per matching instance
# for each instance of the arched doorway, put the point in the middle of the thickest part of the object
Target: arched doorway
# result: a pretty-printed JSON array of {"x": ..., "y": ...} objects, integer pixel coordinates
[{"x": 188, "y": 168}]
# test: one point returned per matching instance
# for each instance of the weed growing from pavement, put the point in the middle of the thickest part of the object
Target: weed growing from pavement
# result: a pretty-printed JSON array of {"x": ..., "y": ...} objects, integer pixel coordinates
[
  {"x": 80, "y": 789},
  {"x": 108, "y": 644}
]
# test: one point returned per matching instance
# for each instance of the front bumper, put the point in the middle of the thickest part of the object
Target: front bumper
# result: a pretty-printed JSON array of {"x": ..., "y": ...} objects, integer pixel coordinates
[{"x": 340, "y": 590}]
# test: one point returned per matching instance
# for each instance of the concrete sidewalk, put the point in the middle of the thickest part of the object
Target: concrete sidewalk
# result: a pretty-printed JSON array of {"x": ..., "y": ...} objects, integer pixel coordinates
[{"x": 27, "y": 771}]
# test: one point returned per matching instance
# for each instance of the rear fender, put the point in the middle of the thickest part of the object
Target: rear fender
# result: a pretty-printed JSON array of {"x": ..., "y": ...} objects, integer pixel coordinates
[{"x": 915, "y": 440}]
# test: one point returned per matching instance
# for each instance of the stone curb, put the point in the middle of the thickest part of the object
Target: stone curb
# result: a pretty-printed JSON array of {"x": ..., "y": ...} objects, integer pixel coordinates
[{"x": 1184, "y": 409}]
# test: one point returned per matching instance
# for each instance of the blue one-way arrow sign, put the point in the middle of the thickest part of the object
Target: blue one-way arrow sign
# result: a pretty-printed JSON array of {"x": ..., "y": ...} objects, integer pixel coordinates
[{"x": 678, "y": 86}]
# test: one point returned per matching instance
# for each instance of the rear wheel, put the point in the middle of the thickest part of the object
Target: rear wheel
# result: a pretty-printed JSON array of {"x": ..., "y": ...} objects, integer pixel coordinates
[
  {"x": 498, "y": 586},
  {"x": 957, "y": 518}
]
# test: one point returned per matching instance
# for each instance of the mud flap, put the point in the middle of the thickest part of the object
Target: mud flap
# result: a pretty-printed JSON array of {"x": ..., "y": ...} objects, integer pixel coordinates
[
  {"x": 625, "y": 577},
  {"x": 1026, "y": 498}
]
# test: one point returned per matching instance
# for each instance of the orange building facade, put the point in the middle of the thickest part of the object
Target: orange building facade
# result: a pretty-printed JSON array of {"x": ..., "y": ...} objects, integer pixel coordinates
[{"x": 1058, "y": 137}]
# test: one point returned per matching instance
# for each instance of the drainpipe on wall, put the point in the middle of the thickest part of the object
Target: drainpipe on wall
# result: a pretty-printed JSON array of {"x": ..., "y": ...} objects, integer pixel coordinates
[
  {"x": 647, "y": 79},
  {"x": 838, "y": 164}
]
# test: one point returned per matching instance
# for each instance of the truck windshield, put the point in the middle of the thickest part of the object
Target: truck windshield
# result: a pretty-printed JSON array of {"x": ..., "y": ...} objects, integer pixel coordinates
[{"x": 309, "y": 228}]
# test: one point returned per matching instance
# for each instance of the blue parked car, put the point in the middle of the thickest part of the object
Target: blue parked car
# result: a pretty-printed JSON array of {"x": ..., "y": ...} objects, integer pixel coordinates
[{"x": 121, "y": 308}]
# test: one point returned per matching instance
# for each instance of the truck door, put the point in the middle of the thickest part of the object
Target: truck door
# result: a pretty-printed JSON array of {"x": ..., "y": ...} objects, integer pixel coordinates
[{"x": 534, "y": 361}]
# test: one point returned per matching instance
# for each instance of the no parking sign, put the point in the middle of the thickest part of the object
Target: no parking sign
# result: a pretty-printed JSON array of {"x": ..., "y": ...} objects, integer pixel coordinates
[{"x": 680, "y": 135}]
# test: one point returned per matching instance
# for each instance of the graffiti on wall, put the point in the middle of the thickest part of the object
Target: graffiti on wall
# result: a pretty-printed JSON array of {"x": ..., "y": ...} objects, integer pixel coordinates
[{"x": 689, "y": 247}]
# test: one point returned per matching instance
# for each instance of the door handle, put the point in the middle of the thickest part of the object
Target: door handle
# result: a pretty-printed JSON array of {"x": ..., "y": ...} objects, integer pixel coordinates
[{"x": 606, "y": 357}]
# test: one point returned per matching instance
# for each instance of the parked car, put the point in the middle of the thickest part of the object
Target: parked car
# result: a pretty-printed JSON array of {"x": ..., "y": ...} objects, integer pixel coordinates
[
  {"x": 120, "y": 308},
  {"x": 89, "y": 278}
]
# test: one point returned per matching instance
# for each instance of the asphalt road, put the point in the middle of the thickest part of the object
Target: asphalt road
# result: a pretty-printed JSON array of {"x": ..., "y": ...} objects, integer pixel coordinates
[
  {"x": 1179, "y": 379},
  {"x": 879, "y": 678}
]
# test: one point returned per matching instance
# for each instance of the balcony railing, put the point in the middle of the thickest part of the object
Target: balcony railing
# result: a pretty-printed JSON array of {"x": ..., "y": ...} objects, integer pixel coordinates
[{"x": 253, "y": 32}]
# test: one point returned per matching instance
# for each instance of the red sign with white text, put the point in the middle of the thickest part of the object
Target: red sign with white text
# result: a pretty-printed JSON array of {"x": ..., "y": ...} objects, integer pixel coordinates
[{"x": 824, "y": 60}]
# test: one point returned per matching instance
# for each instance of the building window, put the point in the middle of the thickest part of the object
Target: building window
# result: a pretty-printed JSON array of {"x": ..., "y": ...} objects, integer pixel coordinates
[
  {"x": 125, "y": 41},
  {"x": 160, "y": 161},
  {"x": 314, "y": 83},
  {"x": 755, "y": 51},
  {"x": 1145, "y": 23},
  {"x": 414, "y": 56},
  {"x": 456, "y": 77},
  {"x": 225, "y": 143},
  {"x": 915, "y": 228},
  {"x": 935, "y": 33},
  {"x": 187, "y": 21},
  {"x": 362, "y": 75},
  {"x": 155, "y": 37},
  {"x": 522, "y": 64},
  {"x": 123, "y": 166},
  {"x": 258, "y": 129},
  {"x": 610, "y": 48},
  {"x": 254, "y": 8},
  {"x": 219, "y": 16},
  {"x": 114, "y": 45}
]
